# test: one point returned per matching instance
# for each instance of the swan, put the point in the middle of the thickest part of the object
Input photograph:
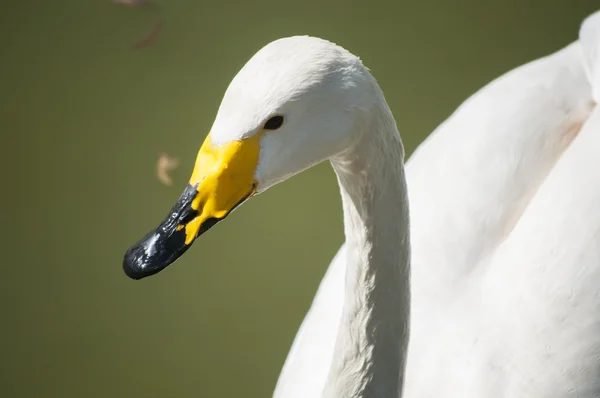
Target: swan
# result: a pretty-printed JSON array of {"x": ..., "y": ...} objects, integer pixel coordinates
[
  {"x": 502, "y": 203},
  {"x": 297, "y": 102},
  {"x": 496, "y": 273}
]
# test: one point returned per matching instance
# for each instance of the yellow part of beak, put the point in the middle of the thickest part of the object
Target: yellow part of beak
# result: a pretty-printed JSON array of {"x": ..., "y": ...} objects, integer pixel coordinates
[{"x": 224, "y": 176}]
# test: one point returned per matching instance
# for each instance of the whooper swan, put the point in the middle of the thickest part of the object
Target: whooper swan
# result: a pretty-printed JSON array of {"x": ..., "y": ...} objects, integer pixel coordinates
[{"x": 505, "y": 224}]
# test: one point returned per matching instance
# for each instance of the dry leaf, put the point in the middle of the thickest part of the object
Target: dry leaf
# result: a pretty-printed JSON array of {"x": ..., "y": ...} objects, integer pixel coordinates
[
  {"x": 150, "y": 37},
  {"x": 164, "y": 165},
  {"x": 133, "y": 3}
]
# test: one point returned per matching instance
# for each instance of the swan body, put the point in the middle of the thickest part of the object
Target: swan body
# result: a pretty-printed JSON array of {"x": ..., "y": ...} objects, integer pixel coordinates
[
  {"x": 505, "y": 242},
  {"x": 496, "y": 275}
]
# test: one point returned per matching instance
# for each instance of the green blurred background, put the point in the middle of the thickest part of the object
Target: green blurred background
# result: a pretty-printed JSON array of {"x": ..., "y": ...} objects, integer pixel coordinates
[{"x": 84, "y": 118}]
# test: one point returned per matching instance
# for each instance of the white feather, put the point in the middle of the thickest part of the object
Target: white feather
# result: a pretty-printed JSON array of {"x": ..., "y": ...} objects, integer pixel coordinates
[
  {"x": 504, "y": 230},
  {"x": 505, "y": 226}
]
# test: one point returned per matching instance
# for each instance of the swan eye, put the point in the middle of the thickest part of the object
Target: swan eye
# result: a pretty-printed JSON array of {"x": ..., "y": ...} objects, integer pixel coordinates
[{"x": 274, "y": 123}]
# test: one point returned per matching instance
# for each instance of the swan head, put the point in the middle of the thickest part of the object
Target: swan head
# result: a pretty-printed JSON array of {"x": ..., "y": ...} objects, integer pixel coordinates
[{"x": 296, "y": 102}]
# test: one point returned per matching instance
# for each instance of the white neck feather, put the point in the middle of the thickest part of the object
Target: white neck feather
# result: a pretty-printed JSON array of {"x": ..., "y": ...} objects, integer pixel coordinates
[{"x": 371, "y": 346}]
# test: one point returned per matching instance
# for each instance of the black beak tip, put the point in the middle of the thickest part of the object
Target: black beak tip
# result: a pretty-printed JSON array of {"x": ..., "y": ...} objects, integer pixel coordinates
[
  {"x": 135, "y": 264},
  {"x": 132, "y": 274},
  {"x": 131, "y": 270},
  {"x": 153, "y": 253},
  {"x": 147, "y": 257}
]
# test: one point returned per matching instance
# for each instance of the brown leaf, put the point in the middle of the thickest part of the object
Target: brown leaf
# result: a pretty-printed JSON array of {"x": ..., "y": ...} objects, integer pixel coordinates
[
  {"x": 150, "y": 37},
  {"x": 163, "y": 166},
  {"x": 133, "y": 3}
]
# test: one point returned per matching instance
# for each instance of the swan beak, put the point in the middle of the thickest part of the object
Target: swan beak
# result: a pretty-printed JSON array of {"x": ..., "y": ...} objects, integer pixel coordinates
[{"x": 222, "y": 179}]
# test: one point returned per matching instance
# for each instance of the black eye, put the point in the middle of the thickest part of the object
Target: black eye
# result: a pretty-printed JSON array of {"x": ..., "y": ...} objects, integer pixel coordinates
[{"x": 274, "y": 123}]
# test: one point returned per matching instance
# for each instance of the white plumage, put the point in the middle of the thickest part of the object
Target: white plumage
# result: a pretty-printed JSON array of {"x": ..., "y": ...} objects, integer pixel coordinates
[
  {"x": 505, "y": 230},
  {"x": 490, "y": 289}
]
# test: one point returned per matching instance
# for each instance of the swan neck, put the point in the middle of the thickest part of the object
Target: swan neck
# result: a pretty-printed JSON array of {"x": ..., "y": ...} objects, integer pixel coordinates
[{"x": 372, "y": 339}]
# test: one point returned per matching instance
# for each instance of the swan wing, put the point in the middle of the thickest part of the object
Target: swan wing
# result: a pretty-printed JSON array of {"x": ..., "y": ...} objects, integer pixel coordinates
[{"x": 541, "y": 296}]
